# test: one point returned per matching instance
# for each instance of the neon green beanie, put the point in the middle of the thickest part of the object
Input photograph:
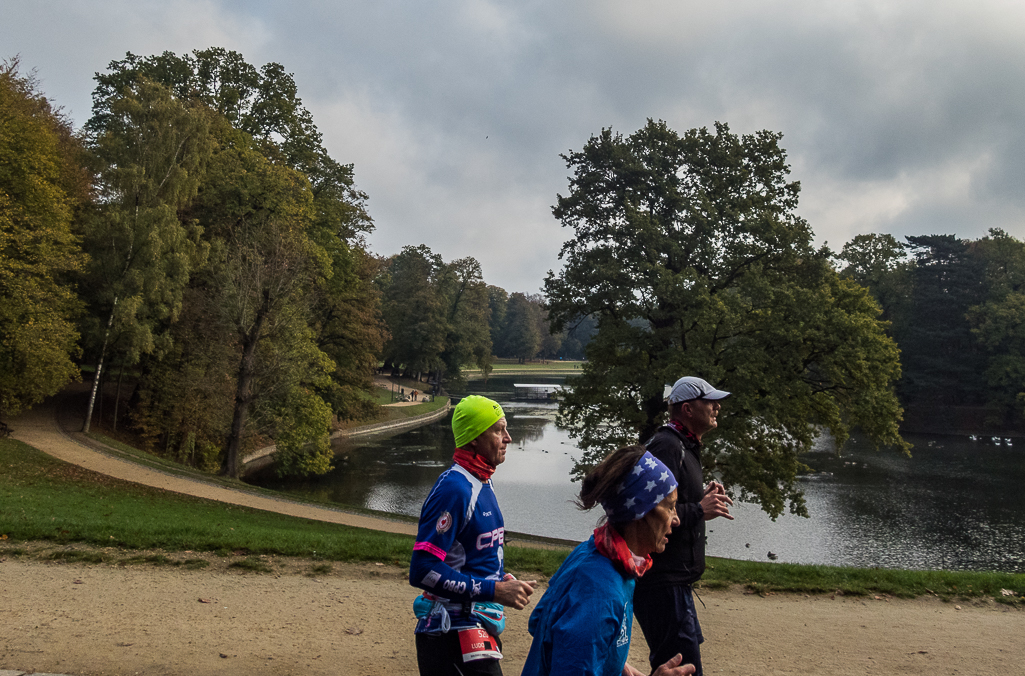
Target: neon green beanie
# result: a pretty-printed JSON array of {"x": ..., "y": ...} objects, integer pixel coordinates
[{"x": 472, "y": 416}]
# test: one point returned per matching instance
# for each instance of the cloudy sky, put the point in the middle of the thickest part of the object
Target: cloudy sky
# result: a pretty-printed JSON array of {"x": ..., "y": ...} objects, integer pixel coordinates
[{"x": 899, "y": 117}]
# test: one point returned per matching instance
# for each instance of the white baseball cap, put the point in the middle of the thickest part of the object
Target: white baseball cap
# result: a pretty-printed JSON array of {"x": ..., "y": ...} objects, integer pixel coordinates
[{"x": 689, "y": 387}]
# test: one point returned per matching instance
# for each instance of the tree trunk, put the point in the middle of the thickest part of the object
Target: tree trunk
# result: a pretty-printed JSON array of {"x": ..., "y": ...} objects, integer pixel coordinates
[
  {"x": 99, "y": 371},
  {"x": 243, "y": 391},
  {"x": 117, "y": 393}
]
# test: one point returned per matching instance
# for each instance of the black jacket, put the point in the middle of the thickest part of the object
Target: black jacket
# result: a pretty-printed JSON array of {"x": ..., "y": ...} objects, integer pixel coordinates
[{"x": 683, "y": 561}]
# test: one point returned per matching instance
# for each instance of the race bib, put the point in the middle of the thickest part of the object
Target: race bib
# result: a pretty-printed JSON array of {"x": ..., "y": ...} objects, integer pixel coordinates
[{"x": 477, "y": 644}]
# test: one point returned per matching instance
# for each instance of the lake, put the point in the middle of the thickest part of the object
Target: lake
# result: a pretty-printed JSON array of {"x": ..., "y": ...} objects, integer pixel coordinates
[{"x": 954, "y": 505}]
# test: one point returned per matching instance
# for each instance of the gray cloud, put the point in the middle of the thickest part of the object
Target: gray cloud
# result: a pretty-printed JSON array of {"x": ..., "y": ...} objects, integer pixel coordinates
[{"x": 904, "y": 117}]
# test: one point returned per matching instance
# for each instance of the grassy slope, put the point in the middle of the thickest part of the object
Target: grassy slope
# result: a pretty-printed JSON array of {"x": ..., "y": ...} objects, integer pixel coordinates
[{"x": 45, "y": 499}]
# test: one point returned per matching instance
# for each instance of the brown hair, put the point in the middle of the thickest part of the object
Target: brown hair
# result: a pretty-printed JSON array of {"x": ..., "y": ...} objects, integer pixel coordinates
[{"x": 603, "y": 481}]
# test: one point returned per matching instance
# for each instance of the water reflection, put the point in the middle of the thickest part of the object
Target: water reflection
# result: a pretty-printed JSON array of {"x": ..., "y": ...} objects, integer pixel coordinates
[{"x": 956, "y": 504}]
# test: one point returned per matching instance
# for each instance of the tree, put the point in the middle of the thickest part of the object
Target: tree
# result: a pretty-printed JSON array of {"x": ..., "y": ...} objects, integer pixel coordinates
[
  {"x": 244, "y": 365},
  {"x": 881, "y": 264},
  {"x": 349, "y": 327},
  {"x": 943, "y": 364},
  {"x": 523, "y": 326},
  {"x": 468, "y": 338},
  {"x": 264, "y": 103},
  {"x": 688, "y": 253},
  {"x": 498, "y": 301},
  {"x": 262, "y": 276},
  {"x": 414, "y": 310},
  {"x": 43, "y": 184},
  {"x": 152, "y": 152},
  {"x": 999, "y": 322}
]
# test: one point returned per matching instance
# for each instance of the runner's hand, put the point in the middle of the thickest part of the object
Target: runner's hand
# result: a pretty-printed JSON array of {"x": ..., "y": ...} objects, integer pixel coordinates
[
  {"x": 716, "y": 504},
  {"x": 673, "y": 668},
  {"x": 515, "y": 593},
  {"x": 715, "y": 487}
]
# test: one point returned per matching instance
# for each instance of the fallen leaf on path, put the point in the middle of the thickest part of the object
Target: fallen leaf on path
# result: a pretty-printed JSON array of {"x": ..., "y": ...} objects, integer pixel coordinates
[
  {"x": 205, "y": 600},
  {"x": 354, "y": 631},
  {"x": 1007, "y": 592}
]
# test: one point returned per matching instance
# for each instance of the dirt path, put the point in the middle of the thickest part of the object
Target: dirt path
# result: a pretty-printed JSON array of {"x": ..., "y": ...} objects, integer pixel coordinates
[
  {"x": 38, "y": 428},
  {"x": 78, "y": 619},
  {"x": 83, "y": 619}
]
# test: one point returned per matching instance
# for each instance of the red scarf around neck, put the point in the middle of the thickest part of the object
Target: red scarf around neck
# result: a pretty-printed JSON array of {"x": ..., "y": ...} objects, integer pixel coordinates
[
  {"x": 678, "y": 426},
  {"x": 611, "y": 545},
  {"x": 474, "y": 464}
]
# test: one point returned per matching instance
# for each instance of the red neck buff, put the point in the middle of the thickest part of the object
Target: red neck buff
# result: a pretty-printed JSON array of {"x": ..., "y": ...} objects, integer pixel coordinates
[
  {"x": 611, "y": 545},
  {"x": 678, "y": 426},
  {"x": 474, "y": 464}
]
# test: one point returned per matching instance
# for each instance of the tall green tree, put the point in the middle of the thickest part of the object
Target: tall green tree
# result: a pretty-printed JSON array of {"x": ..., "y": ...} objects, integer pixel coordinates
[
  {"x": 881, "y": 264},
  {"x": 43, "y": 184},
  {"x": 151, "y": 151},
  {"x": 688, "y": 252},
  {"x": 244, "y": 367},
  {"x": 467, "y": 315},
  {"x": 998, "y": 323},
  {"x": 498, "y": 301},
  {"x": 264, "y": 269},
  {"x": 943, "y": 364},
  {"x": 264, "y": 103},
  {"x": 414, "y": 310},
  {"x": 522, "y": 327}
]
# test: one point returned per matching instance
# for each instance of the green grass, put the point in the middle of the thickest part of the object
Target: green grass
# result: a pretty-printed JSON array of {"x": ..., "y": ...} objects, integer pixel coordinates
[
  {"x": 509, "y": 367},
  {"x": 42, "y": 498},
  {"x": 764, "y": 577}
]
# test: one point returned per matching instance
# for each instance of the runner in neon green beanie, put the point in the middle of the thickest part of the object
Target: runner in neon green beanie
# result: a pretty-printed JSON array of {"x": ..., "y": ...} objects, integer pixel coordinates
[{"x": 472, "y": 416}]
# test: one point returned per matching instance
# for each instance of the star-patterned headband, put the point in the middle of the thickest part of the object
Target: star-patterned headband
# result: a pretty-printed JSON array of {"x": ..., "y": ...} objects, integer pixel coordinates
[{"x": 647, "y": 484}]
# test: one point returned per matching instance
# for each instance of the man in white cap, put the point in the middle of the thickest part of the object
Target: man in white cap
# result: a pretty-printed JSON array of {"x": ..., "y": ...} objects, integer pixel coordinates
[{"x": 663, "y": 599}]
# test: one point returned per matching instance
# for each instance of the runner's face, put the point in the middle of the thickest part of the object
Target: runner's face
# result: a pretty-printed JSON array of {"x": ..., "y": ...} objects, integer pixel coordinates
[
  {"x": 701, "y": 416},
  {"x": 659, "y": 522},
  {"x": 491, "y": 443}
]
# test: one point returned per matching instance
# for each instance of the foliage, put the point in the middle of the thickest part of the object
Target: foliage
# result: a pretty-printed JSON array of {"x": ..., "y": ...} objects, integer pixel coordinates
[
  {"x": 523, "y": 327},
  {"x": 881, "y": 264},
  {"x": 151, "y": 156},
  {"x": 943, "y": 365},
  {"x": 348, "y": 326},
  {"x": 280, "y": 282},
  {"x": 263, "y": 270},
  {"x": 688, "y": 253},
  {"x": 998, "y": 323},
  {"x": 498, "y": 303},
  {"x": 42, "y": 188},
  {"x": 414, "y": 310},
  {"x": 263, "y": 103},
  {"x": 956, "y": 311},
  {"x": 468, "y": 335}
]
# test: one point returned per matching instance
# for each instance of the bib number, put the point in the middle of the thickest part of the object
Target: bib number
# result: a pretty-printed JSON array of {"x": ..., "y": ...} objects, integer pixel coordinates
[{"x": 477, "y": 644}]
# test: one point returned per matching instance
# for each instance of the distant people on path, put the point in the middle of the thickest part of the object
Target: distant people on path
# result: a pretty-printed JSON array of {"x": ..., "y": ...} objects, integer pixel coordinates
[
  {"x": 583, "y": 623},
  {"x": 664, "y": 600},
  {"x": 458, "y": 558}
]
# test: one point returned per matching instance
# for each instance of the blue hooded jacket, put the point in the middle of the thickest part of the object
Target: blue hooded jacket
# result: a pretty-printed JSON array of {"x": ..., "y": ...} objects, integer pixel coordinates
[{"x": 583, "y": 622}]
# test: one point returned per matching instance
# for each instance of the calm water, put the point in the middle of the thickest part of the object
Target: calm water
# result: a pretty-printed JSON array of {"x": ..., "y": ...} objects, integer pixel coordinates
[{"x": 956, "y": 504}]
